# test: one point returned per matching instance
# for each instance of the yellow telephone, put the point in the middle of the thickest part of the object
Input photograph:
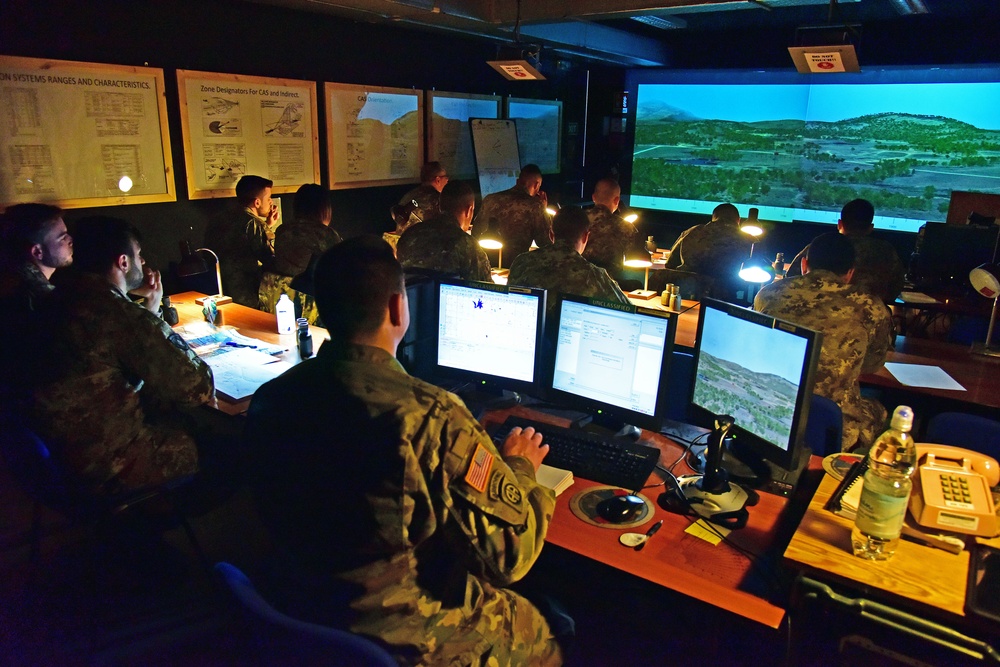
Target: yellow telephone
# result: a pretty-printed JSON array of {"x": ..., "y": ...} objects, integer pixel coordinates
[{"x": 951, "y": 490}]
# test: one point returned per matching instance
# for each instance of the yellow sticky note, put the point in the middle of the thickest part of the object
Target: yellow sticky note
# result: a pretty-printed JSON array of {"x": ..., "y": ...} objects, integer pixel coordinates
[{"x": 709, "y": 532}]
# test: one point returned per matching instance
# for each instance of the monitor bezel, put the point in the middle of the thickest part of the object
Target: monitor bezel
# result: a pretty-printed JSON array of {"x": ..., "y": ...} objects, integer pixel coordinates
[
  {"x": 486, "y": 380},
  {"x": 787, "y": 459},
  {"x": 609, "y": 411}
]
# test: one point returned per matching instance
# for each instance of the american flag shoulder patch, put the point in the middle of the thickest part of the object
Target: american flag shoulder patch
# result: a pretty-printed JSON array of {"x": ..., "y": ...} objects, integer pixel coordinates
[{"x": 479, "y": 470}]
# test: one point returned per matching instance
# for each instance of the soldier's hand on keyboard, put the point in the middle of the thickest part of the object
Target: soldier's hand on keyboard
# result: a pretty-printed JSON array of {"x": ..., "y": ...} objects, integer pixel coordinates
[{"x": 526, "y": 443}]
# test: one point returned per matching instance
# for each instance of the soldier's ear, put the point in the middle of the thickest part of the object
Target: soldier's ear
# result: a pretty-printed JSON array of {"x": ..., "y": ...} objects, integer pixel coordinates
[
  {"x": 37, "y": 252},
  {"x": 396, "y": 308}
]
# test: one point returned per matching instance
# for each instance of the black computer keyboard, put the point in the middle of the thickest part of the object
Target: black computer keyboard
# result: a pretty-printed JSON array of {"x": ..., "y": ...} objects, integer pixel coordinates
[{"x": 613, "y": 461}]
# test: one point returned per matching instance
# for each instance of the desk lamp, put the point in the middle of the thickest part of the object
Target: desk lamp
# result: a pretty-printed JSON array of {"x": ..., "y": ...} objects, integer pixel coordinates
[
  {"x": 751, "y": 226},
  {"x": 985, "y": 278},
  {"x": 193, "y": 265},
  {"x": 639, "y": 258},
  {"x": 490, "y": 241}
]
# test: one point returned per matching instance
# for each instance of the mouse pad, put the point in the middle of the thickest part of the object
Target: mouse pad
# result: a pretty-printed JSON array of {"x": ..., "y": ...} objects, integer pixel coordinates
[{"x": 584, "y": 506}]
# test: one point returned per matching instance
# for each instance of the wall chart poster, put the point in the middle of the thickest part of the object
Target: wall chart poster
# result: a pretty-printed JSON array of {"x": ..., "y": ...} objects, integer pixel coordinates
[
  {"x": 235, "y": 124},
  {"x": 374, "y": 135},
  {"x": 81, "y": 134},
  {"x": 539, "y": 131},
  {"x": 448, "y": 138}
]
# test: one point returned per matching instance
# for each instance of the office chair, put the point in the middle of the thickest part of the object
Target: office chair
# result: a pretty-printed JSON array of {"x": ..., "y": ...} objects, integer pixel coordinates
[
  {"x": 44, "y": 480},
  {"x": 286, "y": 640},
  {"x": 825, "y": 426},
  {"x": 958, "y": 429}
]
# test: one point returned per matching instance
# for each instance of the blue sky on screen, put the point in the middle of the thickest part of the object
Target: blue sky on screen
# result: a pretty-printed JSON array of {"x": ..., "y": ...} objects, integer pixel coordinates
[
  {"x": 463, "y": 109},
  {"x": 759, "y": 348},
  {"x": 973, "y": 103},
  {"x": 387, "y": 107},
  {"x": 522, "y": 110}
]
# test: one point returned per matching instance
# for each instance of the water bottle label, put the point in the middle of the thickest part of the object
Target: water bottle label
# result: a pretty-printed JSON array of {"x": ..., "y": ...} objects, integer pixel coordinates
[{"x": 880, "y": 515}]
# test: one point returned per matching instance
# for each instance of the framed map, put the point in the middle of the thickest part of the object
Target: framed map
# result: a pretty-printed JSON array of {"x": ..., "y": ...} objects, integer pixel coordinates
[
  {"x": 374, "y": 135},
  {"x": 448, "y": 136},
  {"x": 79, "y": 134},
  {"x": 539, "y": 131},
  {"x": 234, "y": 124}
]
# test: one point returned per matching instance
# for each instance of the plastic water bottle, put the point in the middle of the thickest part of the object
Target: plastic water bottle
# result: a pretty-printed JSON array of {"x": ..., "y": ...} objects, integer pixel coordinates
[
  {"x": 285, "y": 310},
  {"x": 886, "y": 490}
]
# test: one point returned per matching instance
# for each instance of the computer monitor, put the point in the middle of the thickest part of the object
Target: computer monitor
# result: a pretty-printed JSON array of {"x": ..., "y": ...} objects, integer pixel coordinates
[
  {"x": 490, "y": 334},
  {"x": 611, "y": 360},
  {"x": 948, "y": 252},
  {"x": 759, "y": 370}
]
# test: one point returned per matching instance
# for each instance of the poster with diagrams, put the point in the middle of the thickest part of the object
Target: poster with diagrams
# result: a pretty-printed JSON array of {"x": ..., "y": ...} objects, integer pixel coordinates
[
  {"x": 448, "y": 139},
  {"x": 234, "y": 124},
  {"x": 82, "y": 134},
  {"x": 374, "y": 135},
  {"x": 539, "y": 131}
]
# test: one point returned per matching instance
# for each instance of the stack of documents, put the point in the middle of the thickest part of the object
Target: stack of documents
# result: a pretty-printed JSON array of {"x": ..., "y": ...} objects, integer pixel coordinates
[{"x": 556, "y": 479}]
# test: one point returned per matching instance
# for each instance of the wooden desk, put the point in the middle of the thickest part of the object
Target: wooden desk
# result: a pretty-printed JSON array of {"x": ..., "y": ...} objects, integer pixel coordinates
[
  {"x": 719, "y": 575},
  {"x": 980, "y": 375},
  {"x": 687, "y": 322},
  {"x": 249, "y": 322}
]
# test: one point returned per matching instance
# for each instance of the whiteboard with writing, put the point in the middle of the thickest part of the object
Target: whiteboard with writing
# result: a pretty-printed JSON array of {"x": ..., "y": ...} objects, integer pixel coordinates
[
  {"x": 448, "y": 140},
  {"x": 82, "y": 134},
  {"x": 234, "y": 124},
  {"x": 494, "y": 143}
]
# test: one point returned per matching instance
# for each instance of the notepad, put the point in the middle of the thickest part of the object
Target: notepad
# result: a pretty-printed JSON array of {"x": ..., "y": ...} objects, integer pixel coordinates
[{"x": 554, "y": 478}]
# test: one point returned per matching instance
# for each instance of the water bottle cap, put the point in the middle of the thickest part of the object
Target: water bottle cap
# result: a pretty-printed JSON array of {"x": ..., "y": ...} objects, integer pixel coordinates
[{"x": 902, "y": 418}]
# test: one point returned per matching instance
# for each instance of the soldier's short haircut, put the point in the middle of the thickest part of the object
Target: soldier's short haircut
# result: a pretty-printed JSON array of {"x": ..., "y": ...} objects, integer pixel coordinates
[
  {"x": 726, "y": 213},
  {"x": 251, "y": 187},
  {"x": 831, "y": 252},
  {"x": 857, "y": 215},
  {"x": 570, "y": 224},
  {"x": 456, "y": 197},
  {"x": 430, "y": 171},
  {"x": 99, "y": 240},
  {"x": 354, "y": 281},
  {"x": 25, "y": 225},
  {"x": 312, "y": 202},
  {"x": 606, "y": 189},
  {"x": 530, "y": 170}
]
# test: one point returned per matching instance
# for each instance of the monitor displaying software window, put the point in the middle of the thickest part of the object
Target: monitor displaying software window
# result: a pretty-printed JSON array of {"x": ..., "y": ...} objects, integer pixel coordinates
[
  {"x": 759, "y": 370},
  {"x": 489, "y": 333},
  {"x": 613, "y": 358}
]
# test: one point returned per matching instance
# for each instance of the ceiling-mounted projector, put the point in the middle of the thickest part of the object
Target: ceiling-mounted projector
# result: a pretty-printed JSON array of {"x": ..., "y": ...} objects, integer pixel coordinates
[
  {"x": 518, "y": 62},
  {"x": 825, "y": 49}
]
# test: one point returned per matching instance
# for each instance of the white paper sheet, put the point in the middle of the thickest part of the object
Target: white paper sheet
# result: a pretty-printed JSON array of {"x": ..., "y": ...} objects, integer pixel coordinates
[
  {"x": 239, "y": 372},
  {"x": 916, "y": 297},
  {"x": 917, "y": 375}
]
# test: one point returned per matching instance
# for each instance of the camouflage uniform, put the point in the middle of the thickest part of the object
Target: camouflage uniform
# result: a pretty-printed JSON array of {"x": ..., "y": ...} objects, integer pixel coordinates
[
  {"x": 23, "y": 289},
  {"x": 441, "y": 245},
  {"x": 715, "y": 249},
  {"x": 517, "y": 217},
  {"x": 877, "y": 269},
  {"x": 245, "y": 246},
  {"x": 392, "y": 238},
  {"x": 22, "y": 286},
  {"x": 610, "y": 239},
  {"x": 428, "y": 203},
  {"x": 110, "y": 385},
  {"x": 363, "y": 485},
  {"x": 559, "y": 268},
  {"x": 296, "y": 245},
  {"x": 857, "y": 335}
]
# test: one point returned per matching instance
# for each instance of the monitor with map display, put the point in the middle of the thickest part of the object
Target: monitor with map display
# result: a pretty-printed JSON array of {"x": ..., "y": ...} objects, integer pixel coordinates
[{"x": 759, "y": 370}]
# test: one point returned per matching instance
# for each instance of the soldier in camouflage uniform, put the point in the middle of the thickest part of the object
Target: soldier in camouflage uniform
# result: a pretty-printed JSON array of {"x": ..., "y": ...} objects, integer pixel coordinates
[
  {"x": 610, "y": 235},
  {"x": 427, "y": 195},
  {"x": 716, "y": 249},
  {"x": 296, "y": 246},
  {"x": 400, "y": 517},
  {"x": 114, "y": 376},
  {"x": 35, "y": 244},
  {"x": 443, "y": 243},
  {"x": 856, "y": 328},
  {"x": 560, "y": 268},
  {"x": 244, "y": 241},
  {"x": 877, "y": 268},
  {"x": 518, "y": 215}
]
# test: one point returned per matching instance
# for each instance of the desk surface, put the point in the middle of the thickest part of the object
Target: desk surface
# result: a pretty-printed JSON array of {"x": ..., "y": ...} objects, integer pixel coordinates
[
  {"x": 918, "y": 575},
  {"x": 717, "y": 574},
  {"x": 249, "y": 322},
  {"x": 687, "y": 321},
  {"x": 980, "y": 375}
]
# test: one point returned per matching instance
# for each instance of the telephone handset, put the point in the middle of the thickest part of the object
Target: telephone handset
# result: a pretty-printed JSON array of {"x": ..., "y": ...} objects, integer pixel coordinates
[{"x": 951, "y": 490}]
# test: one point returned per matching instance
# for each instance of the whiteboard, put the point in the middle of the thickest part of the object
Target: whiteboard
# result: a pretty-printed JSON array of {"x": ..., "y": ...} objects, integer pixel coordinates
[{"x": 494, "y": 144}]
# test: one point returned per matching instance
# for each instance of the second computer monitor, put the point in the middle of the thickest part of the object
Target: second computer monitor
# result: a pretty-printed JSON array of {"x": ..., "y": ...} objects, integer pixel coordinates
[
  {"x": 613, "y": 359},
  {"x": 490, "y": 334}
]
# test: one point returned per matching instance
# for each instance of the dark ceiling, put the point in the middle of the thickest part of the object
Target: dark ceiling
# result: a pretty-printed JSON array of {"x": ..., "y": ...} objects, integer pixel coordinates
[{"x": 638, "y": 32}]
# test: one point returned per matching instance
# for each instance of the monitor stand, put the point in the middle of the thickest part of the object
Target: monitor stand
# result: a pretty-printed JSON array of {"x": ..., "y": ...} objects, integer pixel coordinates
[{"x": 746, "y": 467}]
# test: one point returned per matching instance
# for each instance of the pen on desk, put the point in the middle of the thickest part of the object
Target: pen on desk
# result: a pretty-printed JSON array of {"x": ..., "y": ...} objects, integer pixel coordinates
[
  {"x": 649, "y": 534},
  {"x": 231, "y": 343}
]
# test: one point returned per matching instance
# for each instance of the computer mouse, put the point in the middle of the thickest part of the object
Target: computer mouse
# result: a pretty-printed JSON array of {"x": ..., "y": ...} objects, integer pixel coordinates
[{"x": 620, "y": 509}]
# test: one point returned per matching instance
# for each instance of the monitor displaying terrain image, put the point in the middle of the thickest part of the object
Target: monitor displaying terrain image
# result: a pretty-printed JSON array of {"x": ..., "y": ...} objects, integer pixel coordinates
[{"x": 798, "y": 147}]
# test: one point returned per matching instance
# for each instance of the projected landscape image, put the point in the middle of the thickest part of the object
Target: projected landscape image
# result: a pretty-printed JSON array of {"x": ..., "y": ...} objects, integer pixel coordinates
[
  {"x": 801, "y": 148},
  {"x": 765, "y": 411}
]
